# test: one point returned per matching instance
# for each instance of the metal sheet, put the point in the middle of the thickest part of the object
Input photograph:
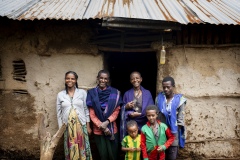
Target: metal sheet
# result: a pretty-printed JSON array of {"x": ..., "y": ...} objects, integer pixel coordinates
[{"x": 181, "y": 11}]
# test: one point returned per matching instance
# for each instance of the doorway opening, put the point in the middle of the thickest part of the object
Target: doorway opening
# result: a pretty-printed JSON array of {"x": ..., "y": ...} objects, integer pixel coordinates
[{"x": 121, "y": 65}]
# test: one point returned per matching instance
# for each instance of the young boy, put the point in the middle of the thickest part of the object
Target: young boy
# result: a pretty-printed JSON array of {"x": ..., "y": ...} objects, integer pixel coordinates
[
  {"x": 131, "y": 142},
  {"x": 156, "y": 137}
]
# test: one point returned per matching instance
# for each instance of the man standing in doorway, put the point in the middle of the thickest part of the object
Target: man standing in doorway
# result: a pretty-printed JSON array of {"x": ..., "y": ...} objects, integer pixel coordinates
[{"x": 171, "y": 105}]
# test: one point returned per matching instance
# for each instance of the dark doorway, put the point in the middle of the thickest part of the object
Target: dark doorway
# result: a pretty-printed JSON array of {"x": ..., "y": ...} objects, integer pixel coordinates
[{"x": 120, "y": 66}]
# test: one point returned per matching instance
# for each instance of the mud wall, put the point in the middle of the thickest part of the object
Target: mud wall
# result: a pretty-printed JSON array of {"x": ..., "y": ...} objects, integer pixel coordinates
[
  {"x": 49, "y": 49},
  {"x": 210, "y": 79}
]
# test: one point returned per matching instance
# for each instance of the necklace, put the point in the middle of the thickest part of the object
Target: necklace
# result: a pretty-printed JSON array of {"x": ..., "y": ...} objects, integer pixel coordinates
[
  {"x": 71, "y": 93},
  {"x": 136, "y": 93}
]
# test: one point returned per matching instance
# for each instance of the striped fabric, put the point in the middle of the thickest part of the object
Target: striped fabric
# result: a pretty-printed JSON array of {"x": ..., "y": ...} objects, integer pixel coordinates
[{"x": 128, "y": 142}]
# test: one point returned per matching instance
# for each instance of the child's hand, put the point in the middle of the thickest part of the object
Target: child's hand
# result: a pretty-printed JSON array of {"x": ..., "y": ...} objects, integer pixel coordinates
[
  {"x": 138, "y": 149},
  {"x": 132, "y": 149},
  {"x": 159, "y": 149}
]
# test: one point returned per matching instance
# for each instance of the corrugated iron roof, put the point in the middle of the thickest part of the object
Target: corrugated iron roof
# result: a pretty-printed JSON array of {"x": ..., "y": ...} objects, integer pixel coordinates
[
  {"x": 13, "y": 8},
  {"x": 182, "y": 11}
]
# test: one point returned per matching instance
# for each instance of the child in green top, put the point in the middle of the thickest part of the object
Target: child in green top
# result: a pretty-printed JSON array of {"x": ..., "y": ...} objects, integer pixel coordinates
[
  {"x": 131, "y": 142},
  {"x": 156, "y": 137}
]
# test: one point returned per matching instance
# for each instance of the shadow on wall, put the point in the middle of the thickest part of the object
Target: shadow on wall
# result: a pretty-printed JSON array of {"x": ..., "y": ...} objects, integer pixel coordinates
[{"x": 17, "y": 115}]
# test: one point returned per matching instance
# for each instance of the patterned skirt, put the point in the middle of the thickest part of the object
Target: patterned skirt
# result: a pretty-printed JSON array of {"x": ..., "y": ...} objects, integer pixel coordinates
[{"x": 76, "y": 141}]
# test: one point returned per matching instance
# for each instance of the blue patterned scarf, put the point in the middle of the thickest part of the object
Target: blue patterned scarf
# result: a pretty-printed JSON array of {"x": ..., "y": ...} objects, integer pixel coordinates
[{"x": 104, "y": 102}]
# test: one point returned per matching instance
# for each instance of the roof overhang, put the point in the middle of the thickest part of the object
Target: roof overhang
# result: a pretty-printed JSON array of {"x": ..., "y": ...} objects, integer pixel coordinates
[{"x": 139, "y": 23}]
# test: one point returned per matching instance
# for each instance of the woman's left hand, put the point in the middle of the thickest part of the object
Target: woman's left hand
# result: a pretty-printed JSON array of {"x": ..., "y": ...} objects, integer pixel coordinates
[
  {"x": 107, "y": 132},
  {"x": 104, "y": 125},
  {"x": 89, "y": 130},
  {"x": 134, "y": 114}
]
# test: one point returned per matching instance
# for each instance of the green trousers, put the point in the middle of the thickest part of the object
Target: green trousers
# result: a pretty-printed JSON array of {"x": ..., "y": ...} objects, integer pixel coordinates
[{"x": 108, "y": 149}]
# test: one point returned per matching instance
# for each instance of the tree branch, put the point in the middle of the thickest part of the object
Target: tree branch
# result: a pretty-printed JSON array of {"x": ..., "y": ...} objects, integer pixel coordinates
[{"x": 47, "y": 143}]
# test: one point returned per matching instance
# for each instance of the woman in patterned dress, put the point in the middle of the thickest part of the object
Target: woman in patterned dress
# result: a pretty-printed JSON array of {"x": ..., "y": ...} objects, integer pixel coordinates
[{"x": 72, "y": 110}]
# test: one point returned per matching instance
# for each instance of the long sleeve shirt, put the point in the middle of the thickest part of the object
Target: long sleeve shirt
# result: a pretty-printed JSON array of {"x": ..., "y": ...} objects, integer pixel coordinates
[
  {"x": 149, "y": 144},
  {"x": 97, "y": 122},
  {"x": 78, "y": 102}
]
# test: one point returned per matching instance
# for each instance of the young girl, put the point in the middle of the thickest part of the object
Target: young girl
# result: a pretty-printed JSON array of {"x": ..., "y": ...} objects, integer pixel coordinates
[
  {"x": 72, "y": 110},
  {"x": 156, "y": 137}
]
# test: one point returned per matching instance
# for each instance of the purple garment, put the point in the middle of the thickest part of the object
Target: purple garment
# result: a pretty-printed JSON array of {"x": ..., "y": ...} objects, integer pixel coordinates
[
  {"x": 141, "y": 120},
  {"x": 109, "y": 98}
]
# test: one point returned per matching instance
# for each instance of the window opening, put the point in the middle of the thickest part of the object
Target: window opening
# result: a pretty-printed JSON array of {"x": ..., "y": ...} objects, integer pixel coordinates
[
  {"x": 19, "y": 70},
  {"x": 20, "y": 91}
]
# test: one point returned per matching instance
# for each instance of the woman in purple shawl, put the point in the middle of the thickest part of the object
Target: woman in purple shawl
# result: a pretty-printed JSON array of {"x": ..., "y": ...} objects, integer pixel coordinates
[
  {"x": 135, "y": 102},
  {"x": 104, "y": 103}
]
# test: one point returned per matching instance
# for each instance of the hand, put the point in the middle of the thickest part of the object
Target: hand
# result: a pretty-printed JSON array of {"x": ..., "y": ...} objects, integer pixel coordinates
[
  {"x": 179, "y": 127},
  {"x": 107, "y": 132},
  {"x": 104, "y": 125},
  {"x": 138, "y": 149},
  {"x": 130, "y": 105},
  {"x": 89, "y": 130},
  {"x": 134, "y": 114},
  {"x": 159, "y": 149},
  {"x": 131, "y": 149}
]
